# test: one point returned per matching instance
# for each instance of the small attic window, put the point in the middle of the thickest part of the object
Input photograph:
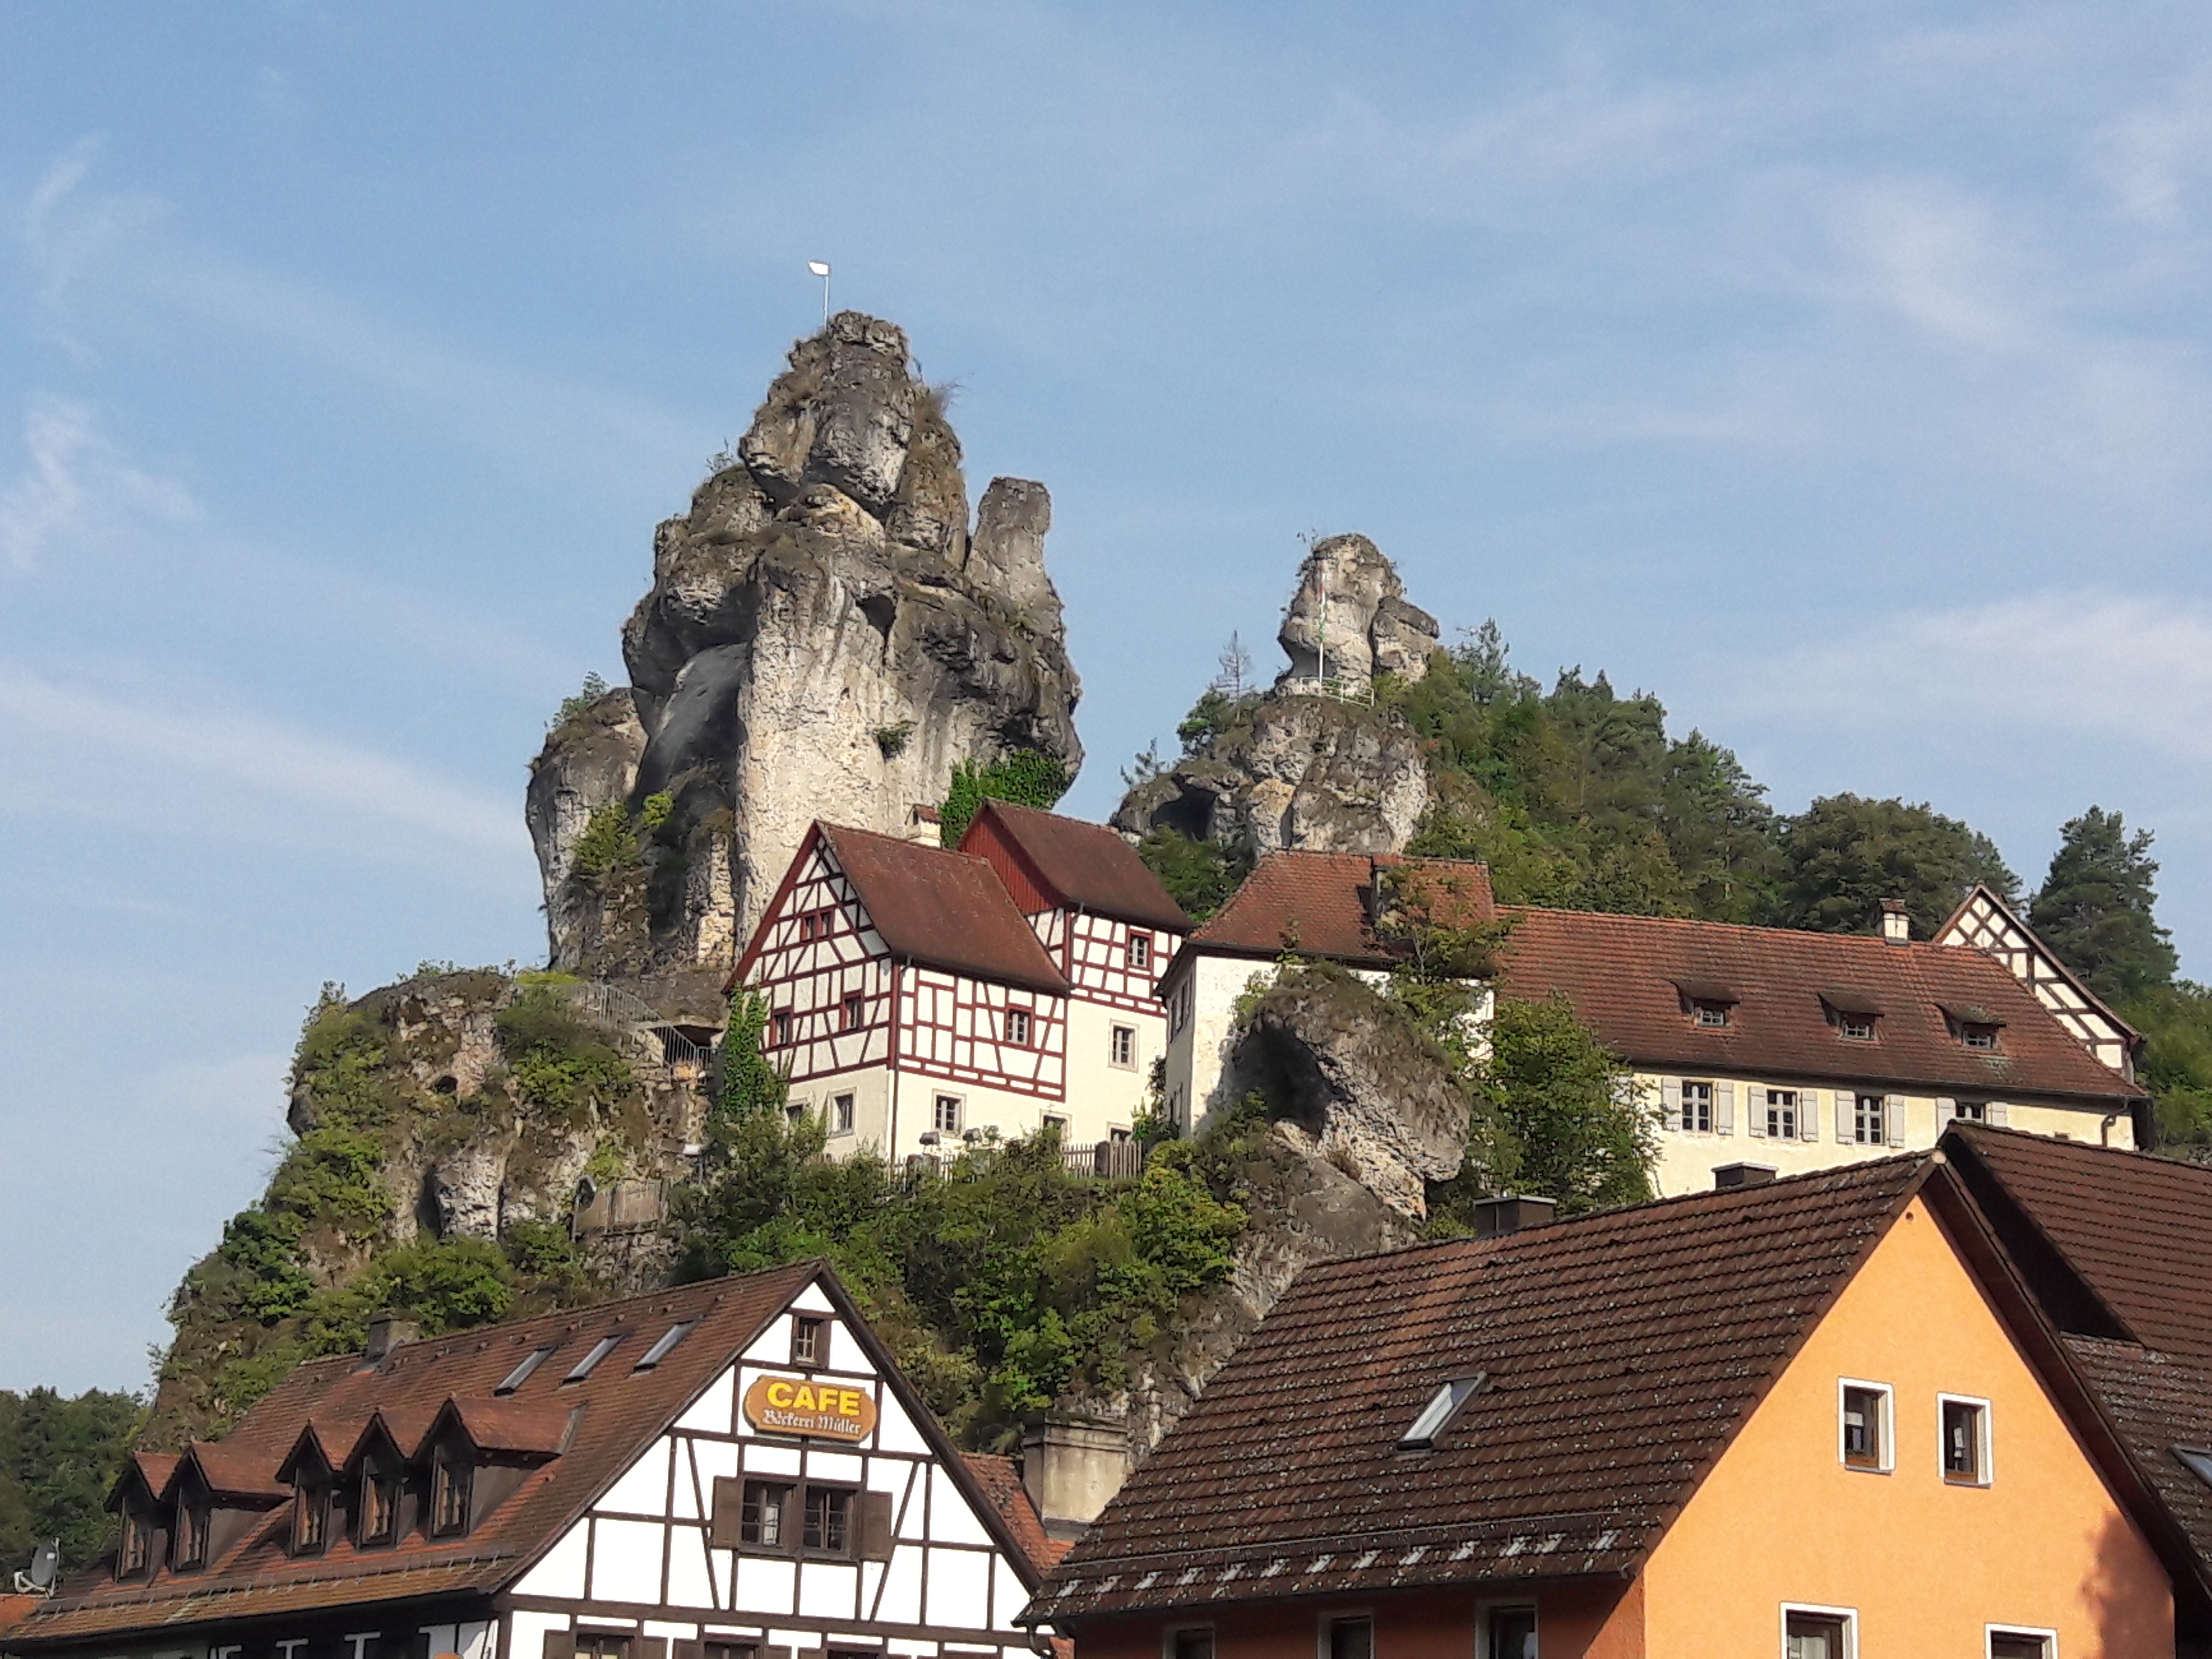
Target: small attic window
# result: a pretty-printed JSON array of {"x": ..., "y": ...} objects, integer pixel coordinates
[
  {"x": 661, "y": 1349},
  {"x": 1443, "y": 1405},
  {"x": 590, "y": 1363},
  {"x": 521, "y": 1374},
  {"x": 2197, "y": 1460},
  {"x": 1708, "y": 1013}
]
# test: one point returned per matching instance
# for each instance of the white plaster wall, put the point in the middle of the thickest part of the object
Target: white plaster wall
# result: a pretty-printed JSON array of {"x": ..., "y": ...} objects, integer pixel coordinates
[{"x": 1101, "y": 1095}]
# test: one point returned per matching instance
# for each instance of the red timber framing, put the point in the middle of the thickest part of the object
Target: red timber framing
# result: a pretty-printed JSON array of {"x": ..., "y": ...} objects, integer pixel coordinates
[{"x": 840, "y": 1001}]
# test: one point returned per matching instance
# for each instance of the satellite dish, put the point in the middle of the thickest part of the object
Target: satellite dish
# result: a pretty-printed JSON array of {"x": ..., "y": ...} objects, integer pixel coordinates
[{"x": 46, "y": 1563}]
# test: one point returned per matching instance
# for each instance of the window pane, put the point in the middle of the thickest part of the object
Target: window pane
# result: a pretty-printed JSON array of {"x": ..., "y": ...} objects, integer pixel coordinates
[
  {"x": 1812, "y": 1636},
  {"x": 1194, "y": 1645},
  {"x": 1351, "y": 1638},
  {"x": 1512, "y": 1633},
  {"x": 1962, "y": 1440},
  {"x": 1863, "y": 1428},
  {"x": 2014, "y": 1644}
]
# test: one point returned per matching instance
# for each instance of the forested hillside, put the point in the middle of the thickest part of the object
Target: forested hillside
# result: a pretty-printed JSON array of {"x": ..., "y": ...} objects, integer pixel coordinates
[{"x": 1577, "y": 797}]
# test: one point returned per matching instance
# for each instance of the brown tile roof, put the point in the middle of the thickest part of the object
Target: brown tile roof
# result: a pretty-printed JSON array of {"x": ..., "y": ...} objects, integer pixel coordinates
[
  {"x": 1627, "y": 976},
  {"x": 539, "y": 1427},
  {"x": 1086, "y": 864},
  {"x": 230, "y": 1469},
  {"x": 1619, "y": 1366},
  {"x": 617, "y": 1411},
  {"x": 14, "y": 1609},
  {"x": 2157, "y": 1402},
  {"x": 1002, "y": 1484},
  {"x": 944, "y": 908},
  {"x": 1322, "y": 904},
  {"x": 2136, "y": 1228}
]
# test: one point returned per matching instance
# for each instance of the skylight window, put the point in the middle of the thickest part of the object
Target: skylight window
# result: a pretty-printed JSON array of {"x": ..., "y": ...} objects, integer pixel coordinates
[
  {"x": 584, "y": 1367},
  {"x": 521, "y": 1374},
  {"x": 660, "y": 1350},
  {"x": 2196, "y": 1461},
  {"x": 1443, "y": 1404}
]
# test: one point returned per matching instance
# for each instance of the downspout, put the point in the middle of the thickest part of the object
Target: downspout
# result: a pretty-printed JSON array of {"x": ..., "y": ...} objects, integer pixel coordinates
[{"x": 898, "y": 971}]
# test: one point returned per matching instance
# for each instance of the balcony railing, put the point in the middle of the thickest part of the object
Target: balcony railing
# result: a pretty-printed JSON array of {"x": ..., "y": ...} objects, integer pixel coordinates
[{"x": 1103, "y": 1160}]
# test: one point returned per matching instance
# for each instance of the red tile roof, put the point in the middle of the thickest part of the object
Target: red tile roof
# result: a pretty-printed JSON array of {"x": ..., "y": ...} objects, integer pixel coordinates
[
  {"x": 2157, "y": 1401},
  {"x": 944, "y": 908},
  {"x": 539, "y": 1427},
  {"x": 2136, "y": 1228},
  {"x": 1627, "y": 977},
  {"x": 1618, "y": 1366},
  {"x": 1322, "y": 904},
  {"x": 1002, "y": 1484},
  {"x": 15, "y": 1608},
  {"x": 1086, "y": 864},
  {"x": 617, "y": 1411}
]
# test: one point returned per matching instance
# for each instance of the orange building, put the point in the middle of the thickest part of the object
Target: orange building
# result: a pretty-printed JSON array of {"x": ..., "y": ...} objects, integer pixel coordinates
[{"x": 1820, "y": 1418}]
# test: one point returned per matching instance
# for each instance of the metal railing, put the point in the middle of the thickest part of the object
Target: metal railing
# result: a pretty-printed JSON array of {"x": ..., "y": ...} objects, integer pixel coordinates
[
  {"x": 1103, "y": 1160},
  {"x": 648, "y": 1035}
]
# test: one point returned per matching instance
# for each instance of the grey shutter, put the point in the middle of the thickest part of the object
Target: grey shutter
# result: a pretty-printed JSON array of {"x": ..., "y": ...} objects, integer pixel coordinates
[
  {"x": 648, "y": 1647},
  {"x": 1847, "y": 1116},
  {"x": 875, "y": 1526},
  {"x": 1892, "y": 1118},
  {"x": 1723, "y": 1109},
  {"x": 1946, "y": 1109},
  {"x": 1997, "y": 1113},
  {"x": 1670, "y": 1101},
  {"x": 728, "y": 1514},
  {"x": 1754, "y": 1111},
  {"x": 560, "y": 1644},
  {"x": 689, "y": 1647},
  {"x": 1808, "y": 1115}
]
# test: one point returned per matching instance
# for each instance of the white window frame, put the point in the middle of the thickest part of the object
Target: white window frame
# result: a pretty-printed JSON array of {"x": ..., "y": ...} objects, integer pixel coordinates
[
  {"x": 1140, "y": 945},
  {"x": 1682, "y": 1124},
  {"x": 2050, "y": 1637},
  {"x": 844, "y": 1114},
  {"x": 1848, "y": 1616},
  {"x": 1887, "y": 1463},
  {"x": 1324, "y": 1622},
  {"x": 1113, "y": 1033},
  {"x": 959, "y": 1112},
  {"x": 1882, "y": 1106},
  {"x": 1028, "y": 1018},
  {"x": 1986, "y": 1460},
  {"x": 1486, "y": 1614},
  {"x": 1773, "y": 1115}
]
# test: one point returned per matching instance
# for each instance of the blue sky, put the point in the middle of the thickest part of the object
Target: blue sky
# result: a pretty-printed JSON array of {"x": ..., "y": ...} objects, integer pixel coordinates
[{"x": 1838, "y": 374}]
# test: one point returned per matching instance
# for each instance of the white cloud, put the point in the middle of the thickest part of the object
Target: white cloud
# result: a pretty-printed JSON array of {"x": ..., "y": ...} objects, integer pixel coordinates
[
  {"x": 2133, "y": 673},
  {"x": 1936, "y": 257},
  {"x": 73, "y": 484},
  {"x": 353, "y": 790}
]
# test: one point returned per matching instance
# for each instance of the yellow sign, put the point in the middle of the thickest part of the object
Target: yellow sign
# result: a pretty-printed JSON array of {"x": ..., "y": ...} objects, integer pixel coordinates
[{"x": 791, "y": 1405}]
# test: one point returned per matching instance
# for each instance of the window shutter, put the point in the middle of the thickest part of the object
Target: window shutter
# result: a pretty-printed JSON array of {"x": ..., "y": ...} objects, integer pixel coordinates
[
  {"x": 1670, "y": 1101},
  {"x": 689, "y": 1647},
  {"x": 1892, "y": 1118},
  {"x": 1946, "y": 1109},
  {"x": 1847, "y": 1116},
  {"x": 1997, "y": 1113},
  {"x": 729, "y": 1509},
  {"x": 1808, "y": 1115},
  {"x": 1754, "y": 1111},
  {"x": 560, "y": 1644},
  {"x": 648, "y": 1647},
  {"x": 875, "y": 1526},
  {"x": 1723, "y": 1109}
]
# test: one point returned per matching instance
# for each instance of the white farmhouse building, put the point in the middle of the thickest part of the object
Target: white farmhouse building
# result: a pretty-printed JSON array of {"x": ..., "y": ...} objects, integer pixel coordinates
[
  {"x": 730, "y": 1470},
  {"x": 917, "y": 996}
]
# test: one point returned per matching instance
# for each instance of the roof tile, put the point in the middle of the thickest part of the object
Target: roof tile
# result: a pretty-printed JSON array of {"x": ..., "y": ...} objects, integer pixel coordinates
[
  {"x": 945, "y": 908},
  {"x": 1088, "y": 865}
]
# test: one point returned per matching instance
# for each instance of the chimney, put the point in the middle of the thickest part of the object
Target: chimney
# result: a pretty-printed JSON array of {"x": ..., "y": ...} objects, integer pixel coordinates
[
  {"x": 1726, "y": 1176},
  {"x": 1071, "y": 1466},
  {"x": 1896, "y": 922},
  {"x": 1494, "y": 1218},
  {"x": 386, "y": 1332}
]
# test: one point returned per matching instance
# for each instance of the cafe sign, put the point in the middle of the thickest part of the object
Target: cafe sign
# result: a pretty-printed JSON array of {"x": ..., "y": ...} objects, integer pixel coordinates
[{"x": 792, "y": 1404}]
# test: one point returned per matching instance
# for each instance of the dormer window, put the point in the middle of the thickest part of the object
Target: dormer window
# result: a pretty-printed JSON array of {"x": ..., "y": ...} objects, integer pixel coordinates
[
  {"x": 1974, "y": 1027},
  {"x": 1708, "y": 1004},
  {"x": 1709, "y": 1013},
  {"x": 135, "y": 1554},
  {"x": 311, "y": 1516},
  {"x": 450, "y": 1477},
  {"x": 193, "y": 1515},
  {"x": 1859, "y": 1027},
  {"x": 379, "y": 1520},
  {"x": 1976, "y": 1035}
]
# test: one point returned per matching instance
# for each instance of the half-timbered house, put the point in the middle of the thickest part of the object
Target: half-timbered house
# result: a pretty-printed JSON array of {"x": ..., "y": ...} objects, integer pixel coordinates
[
  {"x": 919, "y": 997},
  {"x": 731, "y": 1470}
]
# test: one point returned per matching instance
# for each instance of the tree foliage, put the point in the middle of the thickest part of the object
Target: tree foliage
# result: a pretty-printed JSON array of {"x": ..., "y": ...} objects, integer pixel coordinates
[
  {"x": 1199, "y": 875},
  {"x": 1847, "y": 853},
  {"x": 1025, "y": 777},
  {"x": 2095, "y": 907},
  {"x": 58, "y": 1457},
  {"x": 1579, "y": 1131}
]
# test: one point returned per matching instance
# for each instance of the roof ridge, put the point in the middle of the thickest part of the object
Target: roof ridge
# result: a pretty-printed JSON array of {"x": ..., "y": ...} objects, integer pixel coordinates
[{"x": 1750, "y": 927}]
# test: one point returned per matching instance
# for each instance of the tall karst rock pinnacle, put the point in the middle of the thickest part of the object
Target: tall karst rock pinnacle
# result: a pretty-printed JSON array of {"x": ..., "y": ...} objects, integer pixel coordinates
[
  {"x": 824, "y": 638},
  {"x": 1312, "y": 763}
]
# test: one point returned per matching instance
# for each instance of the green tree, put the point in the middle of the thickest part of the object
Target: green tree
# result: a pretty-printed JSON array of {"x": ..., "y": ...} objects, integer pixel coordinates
[
  {"x": 2176, "y": 1023},
  {"x": 1844, "y": 854},
  {"x": 1025, "y": 777},
  {"x": 58, "y": 1457},
  {"x": 2095, "y": 906},
  {"x": 1574, "y": 1129},
  {"x": 1199, "y": 875}
]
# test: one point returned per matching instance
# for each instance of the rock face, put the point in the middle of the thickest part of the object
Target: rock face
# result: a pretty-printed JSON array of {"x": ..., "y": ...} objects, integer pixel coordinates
[
  {"x": 1350, "y": 620},
  {"x": 1358, "y": 1085},
  {"x": 822, "y": 639},
  {"x": 1313, "y": 764}
]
